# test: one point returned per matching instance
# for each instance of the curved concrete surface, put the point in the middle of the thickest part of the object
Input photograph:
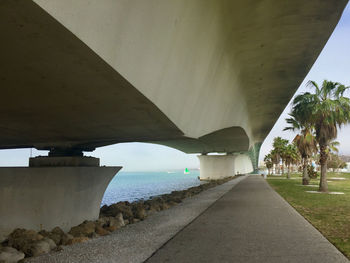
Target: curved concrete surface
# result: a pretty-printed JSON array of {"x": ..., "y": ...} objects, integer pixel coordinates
[
  {"x": 87, "y": 73},
  {"x": 224, "y": 140},
  {"x": 243, "y": 164},
  {"x": 214, "y": 167},
  {"x": 45, "y": 197}
]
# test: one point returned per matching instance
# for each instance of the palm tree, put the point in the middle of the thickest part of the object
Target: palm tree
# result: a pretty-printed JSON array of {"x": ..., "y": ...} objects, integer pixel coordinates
[
  {"x": 276, "y": 159},
  {"x": 284, "y": 156},
  {"x": 333, "y": 146},
  {"x": 304, "y": 141},
  {"x": 268, "y": 162},
  {"x": 279, "y": 146},
  {"x": 330, "y": 110},
  {"x": 291, "y": 157}
]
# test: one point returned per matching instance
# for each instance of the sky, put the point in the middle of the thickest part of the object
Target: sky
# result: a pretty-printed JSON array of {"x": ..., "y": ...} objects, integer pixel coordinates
[{"x": 332, "y": 64}]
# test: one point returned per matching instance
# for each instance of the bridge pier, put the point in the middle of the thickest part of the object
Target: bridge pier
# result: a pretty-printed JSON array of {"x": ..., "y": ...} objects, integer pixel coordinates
[
  {"x": 54, "y": 191},
  {"x": 213, "y": 167}
]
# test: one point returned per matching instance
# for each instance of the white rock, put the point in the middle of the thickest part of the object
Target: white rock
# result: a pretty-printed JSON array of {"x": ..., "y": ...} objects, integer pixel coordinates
[
  {"x": 43, "y": 246},
  {"x": 51, "y": 243},
  {"x": 10, "y": 255},
  {"x": 120, "y": 219}
]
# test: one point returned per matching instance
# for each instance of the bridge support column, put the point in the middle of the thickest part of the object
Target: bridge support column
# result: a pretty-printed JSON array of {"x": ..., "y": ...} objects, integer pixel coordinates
[
  {"x": 213, "y": 167},
  {"x": 53, "y": 191}
]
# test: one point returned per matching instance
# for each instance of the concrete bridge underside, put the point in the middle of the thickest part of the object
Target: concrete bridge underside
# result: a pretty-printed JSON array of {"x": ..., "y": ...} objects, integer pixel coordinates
[{"x": 200, "y": 76}]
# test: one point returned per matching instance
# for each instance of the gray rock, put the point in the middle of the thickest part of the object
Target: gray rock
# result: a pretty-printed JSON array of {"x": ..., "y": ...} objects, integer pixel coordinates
[
  {"x": 58, "y": 236},
  {"x": 22, "y": 239},
  {"x": 101, "y": 231},
  {"x": 65, "y": 239},
  {"x": 139, "y": 212},
  {"x": 10, "y": 255},
  {"x": 116, "y": 222},
  {"x": 115, "y": 209},
  {"x": 55, "y": 236},
  {"x": 41, "y": 247},
  {"x": 154, "y": 206},
  {"x": 120, "y": 219},
  {"x": 86, "y": 229},
  {"x": 103, "y": 221}
]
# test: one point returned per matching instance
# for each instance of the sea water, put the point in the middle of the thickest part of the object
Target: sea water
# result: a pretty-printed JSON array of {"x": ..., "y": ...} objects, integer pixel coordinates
[{"x": 133, "y": 186}]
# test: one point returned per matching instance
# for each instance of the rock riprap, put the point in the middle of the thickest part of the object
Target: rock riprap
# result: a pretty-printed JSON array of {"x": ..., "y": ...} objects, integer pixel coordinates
[{"x": 28, "y": 243}]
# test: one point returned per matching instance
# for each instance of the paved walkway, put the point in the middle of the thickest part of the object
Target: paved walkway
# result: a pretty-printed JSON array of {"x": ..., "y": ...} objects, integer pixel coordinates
[
  {"x": 250, "y": 223},
  {"x": 137, "y": 242}
]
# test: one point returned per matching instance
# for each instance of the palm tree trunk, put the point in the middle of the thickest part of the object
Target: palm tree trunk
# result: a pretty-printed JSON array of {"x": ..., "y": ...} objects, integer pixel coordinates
[
  {"x": 288, "y": 172},
  {"x": 306, "y": 177},
  {"x": 282, "y": 167},
  {"x": 323, "y": 162}
]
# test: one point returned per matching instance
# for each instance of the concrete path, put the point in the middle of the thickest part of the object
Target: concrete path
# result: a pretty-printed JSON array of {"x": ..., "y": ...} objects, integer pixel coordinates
[
  {"x": 137, "y": 242},
  {"x": 251, "y": 223}
]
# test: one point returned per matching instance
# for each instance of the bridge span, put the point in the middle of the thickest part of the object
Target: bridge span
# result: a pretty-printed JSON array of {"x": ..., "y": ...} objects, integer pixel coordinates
[{"x": 201, "y": 76}]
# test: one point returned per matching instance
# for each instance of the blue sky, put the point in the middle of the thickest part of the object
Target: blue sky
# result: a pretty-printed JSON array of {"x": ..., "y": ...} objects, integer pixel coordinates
[{"x": 332, "y": 64}]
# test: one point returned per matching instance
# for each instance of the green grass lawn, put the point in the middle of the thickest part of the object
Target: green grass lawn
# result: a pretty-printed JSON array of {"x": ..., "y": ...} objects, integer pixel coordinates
[{"x": 330, "y": 214}]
